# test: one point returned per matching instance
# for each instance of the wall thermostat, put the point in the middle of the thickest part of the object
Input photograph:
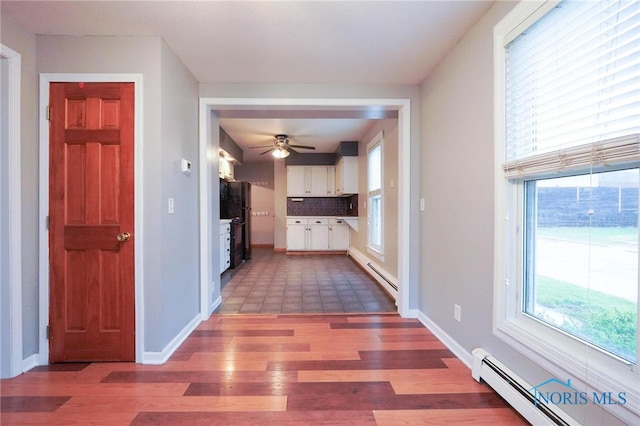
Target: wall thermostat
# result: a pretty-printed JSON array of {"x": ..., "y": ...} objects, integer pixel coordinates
[{"x": 186, "y": 167}]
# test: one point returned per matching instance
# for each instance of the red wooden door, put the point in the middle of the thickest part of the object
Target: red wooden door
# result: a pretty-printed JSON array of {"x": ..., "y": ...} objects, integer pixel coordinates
[{"x": 91, "y": 200}]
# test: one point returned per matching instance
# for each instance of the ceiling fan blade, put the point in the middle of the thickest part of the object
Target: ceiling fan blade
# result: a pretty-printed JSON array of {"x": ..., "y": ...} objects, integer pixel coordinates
[
  {"x": 293, "y": 151},
  {"x": 269, "y": 150},
  {"x": 302, "y": 146},
  {"x": 261, "y": 146}
]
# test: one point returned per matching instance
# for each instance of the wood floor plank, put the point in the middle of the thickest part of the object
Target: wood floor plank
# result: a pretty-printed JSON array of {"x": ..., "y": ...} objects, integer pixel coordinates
[
  {"x": 433, "y": 375},
  {"x": 375, "y": 325},
  {"x": 320, "y": 390},
  {"x": 106, "y": 389},
  {"x": 240, "y": 332},
  {"x": 22, "y": 404},
  {"x": 98, "y": 404},
  {"x": 391, "y": 364},
  {"x": 333, "y": 418},
  {"x": 466, "y": 417},
  {"x": 319, "y": 345},
  {"x": 407, "y": 337},
  {"x": 458, "y": 401},
  {"x": 386, "y": 317},
  {"x": 114, "y": 418},
  {"x": 204, "y": 357},
  {"x": 444, "y": 385},
  {"x": 199, "y": 376},
  {"x": 407, "y": 355},
  {"x": 68, "y": 366}
]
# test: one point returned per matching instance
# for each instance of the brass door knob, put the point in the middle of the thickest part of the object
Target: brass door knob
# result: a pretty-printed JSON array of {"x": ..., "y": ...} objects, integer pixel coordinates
[{"x": 123, "y": 237}]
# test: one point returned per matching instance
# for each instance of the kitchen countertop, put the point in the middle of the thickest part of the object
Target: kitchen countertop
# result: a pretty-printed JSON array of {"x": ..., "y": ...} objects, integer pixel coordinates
[
  {"x": 321, "y": 216},
  {"x": 352, "y": 221}
]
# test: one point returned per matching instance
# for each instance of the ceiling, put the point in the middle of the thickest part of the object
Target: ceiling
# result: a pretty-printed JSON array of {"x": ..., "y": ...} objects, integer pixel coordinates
[{"x": 288, "y": 42}]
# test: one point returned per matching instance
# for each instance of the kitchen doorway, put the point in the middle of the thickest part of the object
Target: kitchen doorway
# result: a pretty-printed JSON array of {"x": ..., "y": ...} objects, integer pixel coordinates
[{"x": 211, "y": 109}]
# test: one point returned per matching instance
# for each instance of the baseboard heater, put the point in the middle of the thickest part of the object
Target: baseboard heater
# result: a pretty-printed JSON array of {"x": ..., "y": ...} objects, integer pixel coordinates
[
  {"x": 381, "y": 275},
  {"x": 516, "y": 391}
]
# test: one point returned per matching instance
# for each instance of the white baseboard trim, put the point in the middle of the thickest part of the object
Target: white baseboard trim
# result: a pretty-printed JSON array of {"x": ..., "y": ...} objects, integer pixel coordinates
[
  {"x": 165, "y": 354},
  {"x": 215, "y": 305},
  {"x": 448, "y": 341},
  {"x": 364, "y": 261},
  {"x": 30, "y": 362}
]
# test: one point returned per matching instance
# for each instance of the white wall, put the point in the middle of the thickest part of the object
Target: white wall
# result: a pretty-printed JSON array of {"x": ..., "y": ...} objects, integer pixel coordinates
[
  {"x": 457, "y": 226},
  {"x": 24, "y": 43},
  {"x": 260, "y": 173}
]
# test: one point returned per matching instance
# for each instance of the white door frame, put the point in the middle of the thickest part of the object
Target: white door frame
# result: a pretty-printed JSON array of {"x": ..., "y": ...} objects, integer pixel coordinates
[
  {"x": 209, "y": 215},
  {"x": 43, "y": 233},
  {"x": 14, "y": 239}
]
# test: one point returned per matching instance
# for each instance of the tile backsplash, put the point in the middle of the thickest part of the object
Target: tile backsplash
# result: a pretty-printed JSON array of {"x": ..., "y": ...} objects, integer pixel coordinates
[{"x": 323, "y": 206}]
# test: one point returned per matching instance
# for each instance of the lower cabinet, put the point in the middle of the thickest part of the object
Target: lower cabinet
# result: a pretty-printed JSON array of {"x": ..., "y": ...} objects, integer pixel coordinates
[
  {"x": 339, "y": 235},
  {"x": 297, "y": 234},
  {"x": 225, "y": 246},
  {"x": 317, "y": 234}
]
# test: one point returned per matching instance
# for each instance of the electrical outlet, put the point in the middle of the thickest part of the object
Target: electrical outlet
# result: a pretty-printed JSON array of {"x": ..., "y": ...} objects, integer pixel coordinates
[{"x": 457, "y": 313}]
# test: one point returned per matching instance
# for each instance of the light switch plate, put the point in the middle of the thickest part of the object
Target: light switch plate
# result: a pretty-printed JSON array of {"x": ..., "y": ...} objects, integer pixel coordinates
[{"x": 186, "y": 166}]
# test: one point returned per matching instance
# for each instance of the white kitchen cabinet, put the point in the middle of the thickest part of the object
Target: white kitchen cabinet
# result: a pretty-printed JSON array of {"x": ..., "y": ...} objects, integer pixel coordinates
[
  {"x": 225, "y": 246},
  {"x": 225, "y": 169},
  {"x": 310, "y": 181},
  {"x": 296, "y": 181},
  {"x": 347, "y": 176},
  {"x": 317, "y": 234},
  {"x": 297, "y": 234},
  {"x": 339, "y": 235}
]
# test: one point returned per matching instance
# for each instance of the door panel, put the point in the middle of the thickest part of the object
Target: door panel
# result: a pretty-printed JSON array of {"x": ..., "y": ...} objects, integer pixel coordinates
[{"x": 92, "y": 294}]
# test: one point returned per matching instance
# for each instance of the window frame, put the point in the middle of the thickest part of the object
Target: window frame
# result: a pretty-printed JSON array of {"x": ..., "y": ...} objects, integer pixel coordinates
[
  {"x": 375, "y": 249},
  {"x": 557, "y": 352}
]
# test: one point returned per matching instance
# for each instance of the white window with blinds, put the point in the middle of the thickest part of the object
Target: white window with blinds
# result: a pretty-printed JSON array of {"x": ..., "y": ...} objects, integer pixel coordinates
[
  {"x": 375, "y": 210},
  {"x": 568, "y": 189}
]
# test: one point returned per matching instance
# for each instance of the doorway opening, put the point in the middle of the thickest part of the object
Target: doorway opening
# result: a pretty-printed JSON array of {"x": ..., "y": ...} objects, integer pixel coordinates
[{"x": 212, "y": 109}]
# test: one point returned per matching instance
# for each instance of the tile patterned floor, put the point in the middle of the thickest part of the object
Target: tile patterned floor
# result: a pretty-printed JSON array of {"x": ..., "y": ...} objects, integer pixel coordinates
[{"x": 276, "y": 283}]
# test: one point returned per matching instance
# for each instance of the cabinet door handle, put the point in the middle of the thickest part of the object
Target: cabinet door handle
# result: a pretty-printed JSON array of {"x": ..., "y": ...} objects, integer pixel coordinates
[
  {"x": 317, "y": 221},
  {"x": 297, "y": 221}
]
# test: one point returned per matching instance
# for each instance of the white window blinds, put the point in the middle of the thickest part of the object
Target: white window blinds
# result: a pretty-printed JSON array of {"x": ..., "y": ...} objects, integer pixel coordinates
[{"x": 573, "y": 88}]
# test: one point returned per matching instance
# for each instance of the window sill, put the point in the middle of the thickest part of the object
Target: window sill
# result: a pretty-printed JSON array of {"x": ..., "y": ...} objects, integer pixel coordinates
[{"x": 375, "y": 253}]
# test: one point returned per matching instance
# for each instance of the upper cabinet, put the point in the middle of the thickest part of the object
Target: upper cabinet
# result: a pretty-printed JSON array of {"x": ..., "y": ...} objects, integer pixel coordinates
[
  {"x": 225, "y": 170},
  {"x": 310, "y": 181},
  {"x": 347, "y": 176}
]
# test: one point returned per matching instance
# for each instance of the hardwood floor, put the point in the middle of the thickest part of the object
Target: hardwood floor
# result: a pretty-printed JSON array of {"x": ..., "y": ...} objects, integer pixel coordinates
[{"x": 340, "y": 369}]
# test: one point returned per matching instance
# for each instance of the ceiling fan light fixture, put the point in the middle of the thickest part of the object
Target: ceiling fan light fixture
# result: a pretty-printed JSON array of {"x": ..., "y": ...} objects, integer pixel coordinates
[{"x": 280, "y": 153}]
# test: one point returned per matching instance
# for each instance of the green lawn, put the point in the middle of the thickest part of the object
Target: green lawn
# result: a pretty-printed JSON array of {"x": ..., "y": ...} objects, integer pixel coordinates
[
  {"x": 606, "y": 320},
  {"x": 607, "y": 235}
]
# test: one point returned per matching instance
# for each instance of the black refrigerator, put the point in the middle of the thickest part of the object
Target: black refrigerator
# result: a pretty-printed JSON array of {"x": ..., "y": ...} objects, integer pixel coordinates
[{"x": 236, "y": 205}]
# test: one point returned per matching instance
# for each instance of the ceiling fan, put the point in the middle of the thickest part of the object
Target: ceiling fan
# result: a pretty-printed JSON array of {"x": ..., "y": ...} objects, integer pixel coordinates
[{"x": 282, "y": 148}]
